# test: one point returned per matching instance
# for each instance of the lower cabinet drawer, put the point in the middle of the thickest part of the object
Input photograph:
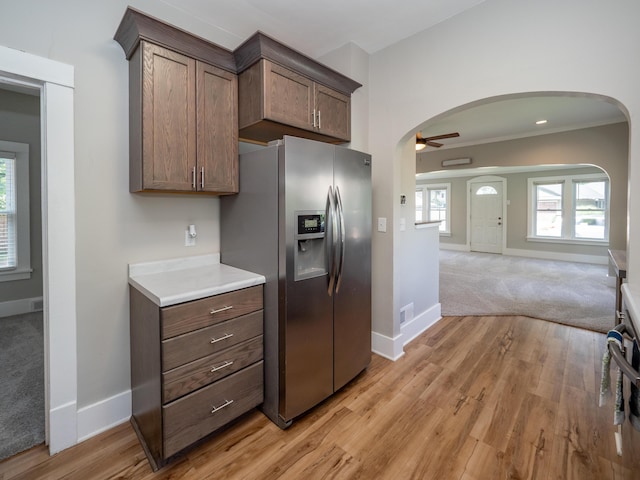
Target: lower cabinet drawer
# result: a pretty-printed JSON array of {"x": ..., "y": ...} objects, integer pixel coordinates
[
  {"x": 194, "y": 416},
  {"x": 190, "y": 377},
  {"x": 206, "y": 341}
]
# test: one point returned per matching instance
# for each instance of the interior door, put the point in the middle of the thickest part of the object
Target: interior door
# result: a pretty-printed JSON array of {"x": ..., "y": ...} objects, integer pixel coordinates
[{"x": 487, "y": 217}]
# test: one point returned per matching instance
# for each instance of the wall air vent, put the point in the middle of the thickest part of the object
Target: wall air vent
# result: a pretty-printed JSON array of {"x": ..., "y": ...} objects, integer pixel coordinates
[{"x": 456, "y": 161}]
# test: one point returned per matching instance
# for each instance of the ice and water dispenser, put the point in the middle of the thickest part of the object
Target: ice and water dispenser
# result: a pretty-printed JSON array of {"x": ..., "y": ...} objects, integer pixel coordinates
[{"x": 309, "y": 258}]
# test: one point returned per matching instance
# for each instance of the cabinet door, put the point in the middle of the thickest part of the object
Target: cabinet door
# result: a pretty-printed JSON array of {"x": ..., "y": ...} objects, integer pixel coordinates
[
  {"x": 217, "y": 126},
  {"x": 333, "y": 113},
  {"x": 288, "y": 97},
  {"x": 168, "y": 119}
]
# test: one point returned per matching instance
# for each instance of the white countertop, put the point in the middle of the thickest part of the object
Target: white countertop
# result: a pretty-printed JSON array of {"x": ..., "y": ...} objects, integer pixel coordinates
[{"x": 168, "y": 282}]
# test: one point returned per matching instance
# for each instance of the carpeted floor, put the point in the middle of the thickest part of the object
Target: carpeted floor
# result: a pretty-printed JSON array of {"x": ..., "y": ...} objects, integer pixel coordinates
[
  {"x": 22, "y": 413},
  {"x": 576, "y": 294}
]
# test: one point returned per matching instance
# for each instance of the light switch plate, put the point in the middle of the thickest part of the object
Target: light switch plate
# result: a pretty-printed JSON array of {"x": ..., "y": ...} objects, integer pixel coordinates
[
  {"x": 382, "y": 224},
  {"x": 189, "y": 241}
]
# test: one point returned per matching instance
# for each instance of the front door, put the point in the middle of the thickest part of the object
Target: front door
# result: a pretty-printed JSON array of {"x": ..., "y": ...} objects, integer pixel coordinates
[{"x": 486, "y": 217}]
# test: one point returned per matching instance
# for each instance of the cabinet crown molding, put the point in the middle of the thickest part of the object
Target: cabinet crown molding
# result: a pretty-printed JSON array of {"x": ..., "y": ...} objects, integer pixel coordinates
[
  {"x": 260, "y": 46},
  {"x": 136, "y": 26}
]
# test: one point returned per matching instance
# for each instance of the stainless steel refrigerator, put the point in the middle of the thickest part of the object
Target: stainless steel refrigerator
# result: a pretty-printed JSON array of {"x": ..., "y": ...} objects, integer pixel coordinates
[{"x": 302, "y": 219}]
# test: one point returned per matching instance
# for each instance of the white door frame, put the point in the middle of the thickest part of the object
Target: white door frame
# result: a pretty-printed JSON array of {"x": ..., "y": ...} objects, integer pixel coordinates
[
  {"x": 55, "y": 83},
  {"x": 488, "y": 178}
]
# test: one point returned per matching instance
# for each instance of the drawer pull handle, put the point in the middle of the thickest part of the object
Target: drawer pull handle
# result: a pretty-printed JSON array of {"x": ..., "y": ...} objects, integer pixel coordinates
[
  {"x": 224, "y": 337},
  {"x": 220, "y": 367},
  {"x": 223, "y": 309},
  {"x": 225, "y": 404}
]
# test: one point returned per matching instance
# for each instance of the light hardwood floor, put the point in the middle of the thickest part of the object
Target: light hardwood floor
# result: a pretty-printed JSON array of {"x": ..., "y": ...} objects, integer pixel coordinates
[{"x": 473, "y": 398}]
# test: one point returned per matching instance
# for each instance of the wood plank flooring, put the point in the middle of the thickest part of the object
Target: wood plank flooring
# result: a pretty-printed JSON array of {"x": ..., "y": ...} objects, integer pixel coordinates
[{"x": 473, "y": 398}]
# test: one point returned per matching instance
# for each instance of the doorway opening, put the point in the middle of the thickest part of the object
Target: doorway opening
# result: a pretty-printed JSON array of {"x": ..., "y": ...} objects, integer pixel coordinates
[
  {"x": 54, "y": 82},
  {"x": 22, "y": 411}
]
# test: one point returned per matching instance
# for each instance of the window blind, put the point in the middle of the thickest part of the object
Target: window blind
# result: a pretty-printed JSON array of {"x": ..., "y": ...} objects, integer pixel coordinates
[{"x": 8, "y": 232}]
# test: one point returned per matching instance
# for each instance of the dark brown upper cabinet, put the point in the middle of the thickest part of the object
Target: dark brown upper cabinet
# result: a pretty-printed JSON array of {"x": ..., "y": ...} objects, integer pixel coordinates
[
  {"x": 183, "y": 109},
  {"x": 283, "y": 92}
]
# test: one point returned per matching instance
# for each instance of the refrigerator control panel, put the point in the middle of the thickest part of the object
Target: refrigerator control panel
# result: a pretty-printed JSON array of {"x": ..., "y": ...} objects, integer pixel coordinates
[
  {"x": 310, "y": 225},
  {"x": 309, "y": 254}
]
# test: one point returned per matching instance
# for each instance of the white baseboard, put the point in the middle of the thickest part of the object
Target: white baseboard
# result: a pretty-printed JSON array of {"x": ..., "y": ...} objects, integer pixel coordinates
[
  {"x": 103, "y": 415},
  {"x": 63, "y": 431},
  {"x": 18, "y": 307},
  {"x": 392, "y": 348},
  {"x": 419, "y": 324},
  {"x": 458, "y": 247},
  {"x": 516, "y": 252},
  {"x": 387, "y": 347},
  {"x": 567, "y": 257}
]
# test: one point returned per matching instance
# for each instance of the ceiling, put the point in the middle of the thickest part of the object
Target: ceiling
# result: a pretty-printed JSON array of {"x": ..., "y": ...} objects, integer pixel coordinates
[
  {"x": 318, "y": 28},
  {"x": 515, "y": 117}
]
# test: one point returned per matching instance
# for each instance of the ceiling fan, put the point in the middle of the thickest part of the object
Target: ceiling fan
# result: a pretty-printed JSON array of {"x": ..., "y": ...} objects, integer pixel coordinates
[{"x": 422, "y": 142}]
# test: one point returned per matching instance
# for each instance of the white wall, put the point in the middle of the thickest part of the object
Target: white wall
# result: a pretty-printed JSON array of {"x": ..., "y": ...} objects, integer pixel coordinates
[
  {"x": 352, "y": 61},
  {"x": 499, "y": 47},
  {"x": 113, "y": 227}
]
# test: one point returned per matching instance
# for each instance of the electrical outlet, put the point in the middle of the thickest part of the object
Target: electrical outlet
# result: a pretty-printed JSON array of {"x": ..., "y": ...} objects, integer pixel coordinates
[{"x": 189, "y": 241}]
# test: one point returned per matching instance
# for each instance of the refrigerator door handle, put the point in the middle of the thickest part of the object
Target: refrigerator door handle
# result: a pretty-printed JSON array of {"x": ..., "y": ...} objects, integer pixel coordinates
[
  {"x": 341, "y": 237},
  {"x": 331, "y": 227}
]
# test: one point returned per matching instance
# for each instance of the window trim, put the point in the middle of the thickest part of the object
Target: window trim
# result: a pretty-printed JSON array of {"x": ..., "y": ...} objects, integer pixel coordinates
[
  {"x": 22, "y": 270},
  {"x": 568, "y": 208},
  {"x": 425, "y": 187}
]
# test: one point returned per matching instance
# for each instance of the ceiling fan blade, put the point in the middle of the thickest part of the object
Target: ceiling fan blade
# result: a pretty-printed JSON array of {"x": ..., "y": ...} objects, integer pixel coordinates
[
  {"x": 446, "y": 135},
  {"x": 433, "y": 144}
]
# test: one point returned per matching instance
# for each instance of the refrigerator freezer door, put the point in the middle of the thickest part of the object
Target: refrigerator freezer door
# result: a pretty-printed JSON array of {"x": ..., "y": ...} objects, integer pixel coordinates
[
  {"x": 306, "y": 318},
  {"x": 352, "y": 301}
]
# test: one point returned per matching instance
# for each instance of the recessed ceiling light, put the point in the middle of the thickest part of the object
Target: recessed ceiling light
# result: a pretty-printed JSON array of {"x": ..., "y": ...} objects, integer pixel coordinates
[{"x": 541, "y": 122}]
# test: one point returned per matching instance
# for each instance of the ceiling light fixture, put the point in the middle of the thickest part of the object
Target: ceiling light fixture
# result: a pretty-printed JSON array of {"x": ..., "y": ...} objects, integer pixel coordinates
[
  {"x": 541, "y": 122},
  {"x": 420, "y": 146}
]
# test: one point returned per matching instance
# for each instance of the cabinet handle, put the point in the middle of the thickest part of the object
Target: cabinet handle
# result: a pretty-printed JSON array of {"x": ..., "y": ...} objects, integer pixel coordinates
[
  {"x": 220, "y": 367},
  {"x": 201, "y": 178},
  {"x": 193, "y": 178},
  {"x": 319, "y": 121},
  {"x": 225, "y": 404},
  {"x": 224, "y": 337},
  {"x": 313, "y": 115},
  {"x": 223, "y": 309}
]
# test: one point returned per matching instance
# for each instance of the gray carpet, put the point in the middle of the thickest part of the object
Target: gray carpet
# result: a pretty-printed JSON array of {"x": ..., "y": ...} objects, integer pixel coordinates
[
  {"x": 576, "y": 294},
  {"x": 21, "y": 383}
]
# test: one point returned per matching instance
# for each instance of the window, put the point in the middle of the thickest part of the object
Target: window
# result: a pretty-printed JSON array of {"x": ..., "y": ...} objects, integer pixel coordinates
[
  {"x": 548, "y": 219},
  {"x": 590, "y": 212},
  {"x": 15, "y": 249},
  {"x": 573, "y": 208},
  {"x": 432, "y": 205},
  {"x": 8, "y": 234},
  {"x": 487, "y": 190}
]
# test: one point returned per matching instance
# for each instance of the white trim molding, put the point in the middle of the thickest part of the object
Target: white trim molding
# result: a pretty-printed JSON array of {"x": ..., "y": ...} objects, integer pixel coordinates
[
  {"x": 421, "y": 323},
  {"x": 387, "y": 347},
  {"x": 18, "y": 307},
  {"x": 393, "y": 348},
  {"x": 457, "y": 247},
  {"x": 54, "y": 82},
  {"x": 567, "y": 257},
  {"x": 103, "y": 415}
]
